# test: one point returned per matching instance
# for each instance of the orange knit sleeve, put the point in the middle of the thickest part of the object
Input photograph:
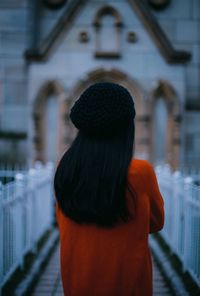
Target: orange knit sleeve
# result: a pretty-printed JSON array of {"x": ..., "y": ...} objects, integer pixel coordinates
[{"x": 156, "y": 200}]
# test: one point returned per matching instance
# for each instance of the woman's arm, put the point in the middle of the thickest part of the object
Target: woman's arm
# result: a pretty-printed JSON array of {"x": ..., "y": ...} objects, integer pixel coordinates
[{"x": 156, "y": 200}]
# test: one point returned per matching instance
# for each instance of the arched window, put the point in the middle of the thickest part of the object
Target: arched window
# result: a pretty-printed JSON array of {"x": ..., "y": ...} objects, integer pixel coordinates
[
  {"x": 107, "y": 25},
  {"x": 51, "y": 129},
  {"x": 160, "y": 131},
  {"x": 166, "y": 125},
  {"x": 48, "y": 118}
]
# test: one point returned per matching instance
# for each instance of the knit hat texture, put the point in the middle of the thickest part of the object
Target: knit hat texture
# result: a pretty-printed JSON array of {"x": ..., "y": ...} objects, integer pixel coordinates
[{"x": 103, "y": 109}]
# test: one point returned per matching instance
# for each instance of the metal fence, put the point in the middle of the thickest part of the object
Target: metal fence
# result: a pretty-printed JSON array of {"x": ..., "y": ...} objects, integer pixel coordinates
[
  {"x": 8, "y": 172},
  {"x": 26, "y": 213},
  {"x": 182, "y": 218}
]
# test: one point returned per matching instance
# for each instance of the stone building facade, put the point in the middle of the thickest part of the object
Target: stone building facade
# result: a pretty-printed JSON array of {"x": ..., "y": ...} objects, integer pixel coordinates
[{"x": 51, "y": 50}]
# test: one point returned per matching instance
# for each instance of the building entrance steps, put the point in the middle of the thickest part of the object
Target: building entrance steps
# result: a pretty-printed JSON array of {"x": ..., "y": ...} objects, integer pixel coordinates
[{"x": 49, "y": 283}]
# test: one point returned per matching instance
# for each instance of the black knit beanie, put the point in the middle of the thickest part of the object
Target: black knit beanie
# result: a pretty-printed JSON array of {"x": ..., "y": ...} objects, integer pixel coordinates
[{"x": 103, "y": 109}]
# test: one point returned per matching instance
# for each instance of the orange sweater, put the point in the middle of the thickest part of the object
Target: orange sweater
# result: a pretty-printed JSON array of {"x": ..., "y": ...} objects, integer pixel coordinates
[{"x": 113, "y": 262}]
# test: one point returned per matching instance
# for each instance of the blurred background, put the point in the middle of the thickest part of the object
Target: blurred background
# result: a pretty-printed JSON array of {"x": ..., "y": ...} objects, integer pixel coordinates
[{"x": 50, "y": 51}]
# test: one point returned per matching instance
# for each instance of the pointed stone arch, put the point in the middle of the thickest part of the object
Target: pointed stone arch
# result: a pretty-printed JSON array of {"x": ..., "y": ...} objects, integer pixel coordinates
[
  {"x": 39, "y": 109},
  {"x": 164, "y": 91},
  {"x": 107, "y": 9},
  {"x": 116, "y": 76},
  {"x": 139, "y": 95}
]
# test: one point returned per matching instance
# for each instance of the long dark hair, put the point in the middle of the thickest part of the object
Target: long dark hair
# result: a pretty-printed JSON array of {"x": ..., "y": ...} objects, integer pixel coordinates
[{"x": 91, "y": 178}]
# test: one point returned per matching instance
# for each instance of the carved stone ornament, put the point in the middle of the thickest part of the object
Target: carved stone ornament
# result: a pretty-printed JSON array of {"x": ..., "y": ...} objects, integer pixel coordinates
[
  {"x": 131, "y": 37},
  {"x": 159, "y": 4},
  {"x": 83, "y": 36},
  {"x": 54, "y": 4}
]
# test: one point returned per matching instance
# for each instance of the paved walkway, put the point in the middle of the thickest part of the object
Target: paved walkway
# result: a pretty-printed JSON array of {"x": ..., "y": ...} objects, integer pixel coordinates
[{"x": 50, "y": 282}]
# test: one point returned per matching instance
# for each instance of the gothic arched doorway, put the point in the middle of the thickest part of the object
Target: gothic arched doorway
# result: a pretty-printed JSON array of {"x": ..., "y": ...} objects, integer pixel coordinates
[
  {"x": 165, "y": 127},
  {"x": 48, "y": 122},
  {"x": 116, "y": 76}
]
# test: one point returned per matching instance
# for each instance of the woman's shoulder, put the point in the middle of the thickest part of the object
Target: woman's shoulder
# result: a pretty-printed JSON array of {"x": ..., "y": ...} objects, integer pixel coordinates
[
  {"x": 140, "y": 164},
  {"x": 141, "y": 168}
]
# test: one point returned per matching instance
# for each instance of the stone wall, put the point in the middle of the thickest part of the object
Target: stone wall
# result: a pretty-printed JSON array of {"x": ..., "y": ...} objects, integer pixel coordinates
[
  {"x": 181, "y": 22},
  {"x": 14, "y": 28},
  {"x": 73, "y": 59}
]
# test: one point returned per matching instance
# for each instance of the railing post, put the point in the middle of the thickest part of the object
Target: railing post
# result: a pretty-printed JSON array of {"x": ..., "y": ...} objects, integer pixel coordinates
[
  {"x": 187, "y": 241},
  {"x": 22, "y": 217},
  {"x": 18, "y": 218},
  {"x": 19, "y": 178},
  {"x": 169, "y": 208},
  {"x": 33, "y": 208},
  {"x": 176, "y": 209},
  {"x": 50, "y": 169},
  {"x": 1, "y": 235}
]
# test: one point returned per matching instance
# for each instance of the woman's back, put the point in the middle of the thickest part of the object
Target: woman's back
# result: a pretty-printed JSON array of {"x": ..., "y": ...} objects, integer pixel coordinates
[{"x": 99, "y": 261}]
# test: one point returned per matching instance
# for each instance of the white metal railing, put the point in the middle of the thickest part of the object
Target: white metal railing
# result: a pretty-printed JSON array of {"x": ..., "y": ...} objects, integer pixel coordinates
[
  {"x": 182, "y": 218},
  {"x": 26, "y": 213},
  {"x": 7, "y": 173}
]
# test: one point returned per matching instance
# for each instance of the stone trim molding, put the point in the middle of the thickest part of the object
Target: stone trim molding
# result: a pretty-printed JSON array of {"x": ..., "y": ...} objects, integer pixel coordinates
[
  {"x": 107, "y": 9},
  {"x": 12, "y": 135},
  {"x": 42, "y": 52},
  {"x": 171, "y": 55}
]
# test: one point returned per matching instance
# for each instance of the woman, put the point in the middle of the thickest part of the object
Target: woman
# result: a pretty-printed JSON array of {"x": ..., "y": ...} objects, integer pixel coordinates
[{"x": 107, "y": 202}]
